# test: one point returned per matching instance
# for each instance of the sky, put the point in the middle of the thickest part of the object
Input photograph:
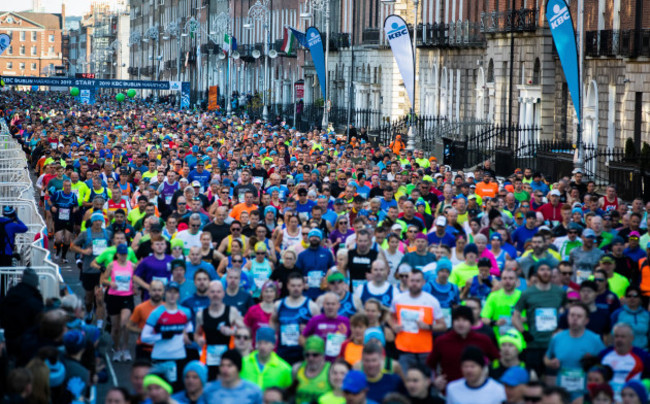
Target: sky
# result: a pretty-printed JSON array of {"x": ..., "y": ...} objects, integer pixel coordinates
[{"x": 73, "y": 7}]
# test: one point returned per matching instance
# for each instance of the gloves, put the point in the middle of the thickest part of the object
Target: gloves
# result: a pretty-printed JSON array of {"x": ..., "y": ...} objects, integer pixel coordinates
[
  {"x": 168, "y": 334},
  {"x": 76, "y": 386},
  {"x": 528, "y": 337}
]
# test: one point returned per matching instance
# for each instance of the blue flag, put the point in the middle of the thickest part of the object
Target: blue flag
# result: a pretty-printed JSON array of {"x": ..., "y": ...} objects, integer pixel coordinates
[
  {"x": 315, "y": 45},
  {"x": 564, "y": 37},
  {"x": 300, "y": 36},
  {"x": 234, "y": 44}
]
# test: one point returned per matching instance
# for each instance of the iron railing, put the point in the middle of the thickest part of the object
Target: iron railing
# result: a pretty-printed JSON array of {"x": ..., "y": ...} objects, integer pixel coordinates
[
  {"x": 519, "y": 20},
  {"x": 453, "y": 35}
]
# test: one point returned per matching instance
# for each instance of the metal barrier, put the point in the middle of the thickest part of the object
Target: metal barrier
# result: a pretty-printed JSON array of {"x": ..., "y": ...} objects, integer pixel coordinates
[{"x": 16, "y": 190}]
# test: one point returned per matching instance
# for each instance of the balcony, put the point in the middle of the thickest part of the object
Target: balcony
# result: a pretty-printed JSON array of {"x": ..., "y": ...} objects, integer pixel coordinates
[
  {"x": 370, "y": 36},
  {"x": 461, "y": 34},
  {"x": 602, "y": 43},
  {"x": 339, "y": 40},
  {"x": 521, "y": 20}
]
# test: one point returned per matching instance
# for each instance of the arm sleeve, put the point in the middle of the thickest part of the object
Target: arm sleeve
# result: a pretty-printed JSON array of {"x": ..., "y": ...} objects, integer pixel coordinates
[{"x": 149, "y": 335}]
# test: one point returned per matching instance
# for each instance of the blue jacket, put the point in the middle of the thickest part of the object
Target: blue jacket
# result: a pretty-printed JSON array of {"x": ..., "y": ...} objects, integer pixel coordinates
[
  {"x": 319, "y": 259},
  {"x": 11, "y": 228},
  {"x": 638, "y": 319}
]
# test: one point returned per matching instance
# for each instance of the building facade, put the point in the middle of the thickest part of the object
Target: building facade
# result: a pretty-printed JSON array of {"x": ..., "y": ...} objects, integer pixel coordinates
[{"x": 36, "y": 46}]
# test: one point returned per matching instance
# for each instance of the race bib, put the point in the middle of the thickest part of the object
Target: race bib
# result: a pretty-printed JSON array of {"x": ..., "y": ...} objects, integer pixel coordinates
[
  {"x": 356, "y": 283},
  {"x": 546, "y": 319},
  {"x": 123, "y": 283},
  {"x": 573, "y": 380},
  {"x": 162, "y": 279},
  {"x": 503, "y": 329},
  {"x": 76, "y": 192},
  {"x": 333, "y": 344},
  {"x": 314, "y": 278},
  {"x": 214, "y": 352},
  {"x": 409, "y": 319},
  {"x": 290, "y": 334},
  {"x": 446, "y": 314},
  {"x": 169, "y": 368},
  {"x": 99, "y": 246},
  {"x": 64, "y": 213},
  {"x": 583, "y": 275},
  {"x": 168, "y": 199}
]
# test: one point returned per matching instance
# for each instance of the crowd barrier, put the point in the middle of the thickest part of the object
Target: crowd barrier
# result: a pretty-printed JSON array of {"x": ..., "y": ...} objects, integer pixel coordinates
[{"x": 16, "y": 190}]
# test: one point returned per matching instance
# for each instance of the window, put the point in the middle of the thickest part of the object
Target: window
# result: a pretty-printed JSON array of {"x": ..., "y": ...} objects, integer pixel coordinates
[
  {"x": 10, "y": 50},
  {"x": 33, "y": 66},
  {"x": 34, "y": 35},
  {"x": 51, "y": 67},
  {"x": 33, "y": 50},
  {"x": 50, "y": 50},
  {"x": 22, "y": 35},
  {"x": 51, "y": 38},
  {"x": 10, "y": 65},
  {"x": 537, "y": 73},
  {"x": 22, "y": 66},
  {"x": 490, "y": 74},
  {"x": 22, "y": 49}
]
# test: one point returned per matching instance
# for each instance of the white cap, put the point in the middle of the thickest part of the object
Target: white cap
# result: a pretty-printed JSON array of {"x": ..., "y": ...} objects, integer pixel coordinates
[
  {"x": 396, "y": 227},
  {"x": 441, "y": 221},
  {"x": 555, "y": 192}
]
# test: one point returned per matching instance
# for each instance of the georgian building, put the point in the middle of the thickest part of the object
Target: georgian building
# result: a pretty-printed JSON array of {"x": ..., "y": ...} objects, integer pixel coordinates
[{"x": 36, "y": 45}]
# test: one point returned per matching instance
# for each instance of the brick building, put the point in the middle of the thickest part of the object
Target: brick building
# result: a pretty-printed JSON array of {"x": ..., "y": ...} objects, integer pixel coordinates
[{"x": 36, "y": 45}]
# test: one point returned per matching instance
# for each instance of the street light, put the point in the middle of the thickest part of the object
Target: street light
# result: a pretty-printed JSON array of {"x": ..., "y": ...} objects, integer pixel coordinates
[
  {"x": 410, "y": 144},
  {"x": 323, "y": 5},
  {"x": 260, "y": 12}
]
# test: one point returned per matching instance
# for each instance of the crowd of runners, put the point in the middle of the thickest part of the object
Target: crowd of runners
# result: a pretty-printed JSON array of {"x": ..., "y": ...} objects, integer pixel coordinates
[{"x": 255, "y": 263}]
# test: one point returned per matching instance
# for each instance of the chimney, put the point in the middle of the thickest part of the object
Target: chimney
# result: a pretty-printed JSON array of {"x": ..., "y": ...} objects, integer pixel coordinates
[{"x": 63, "y": 15}]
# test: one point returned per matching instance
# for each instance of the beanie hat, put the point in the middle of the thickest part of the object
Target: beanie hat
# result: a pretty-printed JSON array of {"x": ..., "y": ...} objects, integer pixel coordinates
[
  {"x": 176, "y": 242},
  {"x": 265, "y": 333},
  {"x": 157, "y": 378},
  {"x": 315, "y": 344},
  {"x": 513, "y": 337},
  {"x": 199, "y": 368},
  {"x": 374, "y": 332},
  {"x": 444, "y": 263},
  {"x": 30, "y": 278},
  {"x": 470, "y": 248},
  {"x": 639, "y": 389},
  {"x": 473, "y": 354},
  {"x": 74, "y": 341},
  {"x": 234, "y": 356},
  {"x": 315, "y": 233}
]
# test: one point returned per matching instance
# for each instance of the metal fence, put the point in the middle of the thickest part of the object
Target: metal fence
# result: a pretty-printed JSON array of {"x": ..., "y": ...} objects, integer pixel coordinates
[{"x": 16, "y": 190}]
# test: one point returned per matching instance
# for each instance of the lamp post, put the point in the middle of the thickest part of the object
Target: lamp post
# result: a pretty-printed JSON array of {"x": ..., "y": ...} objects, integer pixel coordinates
[
  {"x": 410, "y": 144},
  {"x": 174, "y": 30},
  {"x": 153, "y": 34},
  {"x": 324, "y": 6},
  {"x": 260, "y": 12}
]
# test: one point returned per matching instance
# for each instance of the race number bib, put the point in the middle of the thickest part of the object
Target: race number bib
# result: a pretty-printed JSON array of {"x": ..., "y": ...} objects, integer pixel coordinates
[
  {"x": 583, "y": 275},
  {"x": 446, "y": 314},
  {"x": 123, "y": 283},
  {"x": 213, "y": 354},
  {"x": 573, "y": 380},
  {"x": 333, "y": 344},
  {"x": 168, "y": 200},
  {"x": 314, "y": 278},
  {"x": 290, "y": 334},
  {"x": 546, "y": 319},
  {"x": 64, "y": 213},
  {"x": 99, "y": 246},
  {"x": 409, "y": 320},
  {"x": 503, "y": 329}
]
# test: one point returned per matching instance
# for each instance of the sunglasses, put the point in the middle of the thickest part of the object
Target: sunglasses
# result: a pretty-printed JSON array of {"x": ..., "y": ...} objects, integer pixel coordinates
[
  {"x": 335, "y": 282},
  {"x": 260, "y": 253},
  {"x": 599, "y": 280},
  {"x": 244, "y": 337},
  {"x": 566, "y": 273},
  {"x": 532, "y": 399},
  {"x": 239, "y": 261},
  {"x": 235, "y": 229},
  {"x": 631, "y": 296},
  {"x": 312, "y": 354}
]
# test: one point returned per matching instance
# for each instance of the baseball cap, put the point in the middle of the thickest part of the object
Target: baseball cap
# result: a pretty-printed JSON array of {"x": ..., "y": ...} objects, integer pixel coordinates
[
  {"x": 634, "y": 234},
  {"x": 173, "y": 285},
  {"x": 555, "y": 192},
  {"x": 122, "y": 249},
  {"x": 315, "y": 344},
  {"x": 339, "y": 201},
  {"x": 354, "y": 382},
  {"x": 589, "y": 233},
  {"x": 441, "y": 221},
  {"x": 196, "y": 184},
  {"x": 335, "y": 276},
  {"x": 607, "y": 259},
  {"x": 96, "y": 217}
]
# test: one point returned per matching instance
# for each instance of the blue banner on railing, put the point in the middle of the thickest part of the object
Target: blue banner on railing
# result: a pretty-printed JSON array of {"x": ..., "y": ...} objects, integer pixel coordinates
[
  {"x": 315, "y": 44},
  {"x": 564, "y": 36},
  {"x": 97, "y": 83}
]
